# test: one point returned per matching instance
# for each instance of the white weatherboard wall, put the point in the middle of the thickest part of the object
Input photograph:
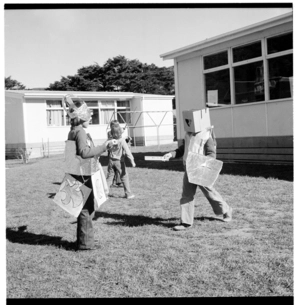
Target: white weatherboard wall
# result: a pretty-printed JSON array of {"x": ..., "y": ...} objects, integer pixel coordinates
[
  {"x": 14, "y": 121},
  {"x": 26, "y": 119},
  {"x": 254, "y": 120}
]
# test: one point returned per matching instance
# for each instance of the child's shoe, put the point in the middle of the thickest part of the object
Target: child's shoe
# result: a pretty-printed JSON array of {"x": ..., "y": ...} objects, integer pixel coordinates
[
  {"x": 181, "y": 227},
  {"x": 129, "y": 196},
  {"x": 228, "y": 216}
]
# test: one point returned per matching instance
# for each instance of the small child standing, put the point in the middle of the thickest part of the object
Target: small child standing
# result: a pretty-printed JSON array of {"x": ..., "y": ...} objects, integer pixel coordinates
[{"x": 116, "y": 160}]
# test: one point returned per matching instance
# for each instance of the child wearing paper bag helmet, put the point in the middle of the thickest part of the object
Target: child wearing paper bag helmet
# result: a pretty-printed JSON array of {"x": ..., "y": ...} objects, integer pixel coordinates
[
  {"x": 198, "y": 132},
  {"x": 80, "y": 116}
]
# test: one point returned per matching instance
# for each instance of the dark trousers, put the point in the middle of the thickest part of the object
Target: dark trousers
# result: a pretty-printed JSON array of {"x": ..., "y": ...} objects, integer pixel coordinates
[{"x": 85, "y": 230}]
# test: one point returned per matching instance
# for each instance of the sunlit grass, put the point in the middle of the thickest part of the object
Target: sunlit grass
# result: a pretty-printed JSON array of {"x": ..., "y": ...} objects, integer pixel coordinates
[{"x": 140, "y": 255}]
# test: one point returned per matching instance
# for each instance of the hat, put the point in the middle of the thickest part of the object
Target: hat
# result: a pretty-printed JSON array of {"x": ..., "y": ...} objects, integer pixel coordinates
[{"x": 77, "y": 108}]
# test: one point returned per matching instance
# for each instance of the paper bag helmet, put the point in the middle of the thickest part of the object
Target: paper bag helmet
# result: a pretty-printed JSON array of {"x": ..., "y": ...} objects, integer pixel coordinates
[
  {"x": 77, "y": 108},
  {"x": 196, "y": 120}
]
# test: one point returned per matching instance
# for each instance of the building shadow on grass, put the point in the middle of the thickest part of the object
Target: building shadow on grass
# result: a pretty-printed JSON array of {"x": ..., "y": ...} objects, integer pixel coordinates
[
  {"x": 21, "y": 236},
  {"x": 140, "y": 220},
  {"x": 273, "y": 171}
]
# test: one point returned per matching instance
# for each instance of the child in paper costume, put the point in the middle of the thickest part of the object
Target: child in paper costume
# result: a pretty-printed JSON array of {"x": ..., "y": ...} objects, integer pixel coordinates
[
  {"x": 80, "y": 116},
  {"x": 205, "y": 144},
  {"x": 116, "y": 163}
]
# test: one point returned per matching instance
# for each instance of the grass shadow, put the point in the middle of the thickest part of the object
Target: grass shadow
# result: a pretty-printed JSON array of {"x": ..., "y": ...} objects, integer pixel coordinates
[
  {"x": 51, "y": 195},
  {"x": 21, "y": 236},
  {"x": 203, "y": 218},
  {"x": 135, "y": 220},
  {"x": 268, "y": 171}
]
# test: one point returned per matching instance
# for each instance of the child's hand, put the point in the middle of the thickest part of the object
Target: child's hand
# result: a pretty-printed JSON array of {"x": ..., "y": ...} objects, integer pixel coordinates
[
  {"x": 111, "y": 143},
  {"x": 167, "y": 156},
  {"x": 133, "y": 164}
]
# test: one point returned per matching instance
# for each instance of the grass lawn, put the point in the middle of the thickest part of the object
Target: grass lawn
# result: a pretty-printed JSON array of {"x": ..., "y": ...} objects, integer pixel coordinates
[{"x": 140, "y": 255}]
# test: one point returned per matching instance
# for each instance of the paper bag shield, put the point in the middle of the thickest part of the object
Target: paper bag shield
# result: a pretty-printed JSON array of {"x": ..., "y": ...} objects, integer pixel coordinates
[
  {"x": 202, "y": 170},
  {"x": 72, "y": 195},
  {"x": 100, "y": 188}
]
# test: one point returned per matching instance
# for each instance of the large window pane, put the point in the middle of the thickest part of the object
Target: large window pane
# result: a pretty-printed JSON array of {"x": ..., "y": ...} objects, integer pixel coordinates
[
  {"x": 215, "y": 60},
  {"x": 54, "y": 104},
  {"x": 217, "y": 86},
  {"x": 95, "y": 116},
  {"x": 245, "y": 52},
  {"x": 280, "y": 43},
  {"x": 92, "y": 103},
  {"x": 107, "y": 104},
  {"x": 55, "y": 118},
  {"x": 249, "y": 83},
  {"x": 281, "y": 77},
  {"x": 123, "y": 116},
  {"x": 122, "y": 103},
  {"x": 107, "y": 115}
]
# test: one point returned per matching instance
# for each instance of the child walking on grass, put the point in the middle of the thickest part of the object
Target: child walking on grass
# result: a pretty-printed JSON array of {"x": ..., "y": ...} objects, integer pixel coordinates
[{"x": 116, "y": 160}]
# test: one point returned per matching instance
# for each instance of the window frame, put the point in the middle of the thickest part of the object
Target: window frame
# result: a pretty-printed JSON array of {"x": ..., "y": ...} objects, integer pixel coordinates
[
  {"x": 231, "y": 65},
  {"x": 49, "y": 109}
]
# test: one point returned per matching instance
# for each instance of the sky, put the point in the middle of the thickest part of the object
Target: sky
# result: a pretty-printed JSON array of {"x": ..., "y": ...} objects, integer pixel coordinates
[{"x": 41, "y": 46}]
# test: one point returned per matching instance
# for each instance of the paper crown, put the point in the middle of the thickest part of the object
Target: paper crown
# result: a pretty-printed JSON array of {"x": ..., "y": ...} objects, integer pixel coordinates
[{"x": 76, "y": 108}]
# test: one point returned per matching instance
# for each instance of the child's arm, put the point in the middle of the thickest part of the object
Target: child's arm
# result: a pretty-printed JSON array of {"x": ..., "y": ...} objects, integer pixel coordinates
[
  {"x": 177, "y": 153},
  {"x": 127, "y": 151},
  {"x": 209, "y": 148},
  {"x": 85, "y": 151}
]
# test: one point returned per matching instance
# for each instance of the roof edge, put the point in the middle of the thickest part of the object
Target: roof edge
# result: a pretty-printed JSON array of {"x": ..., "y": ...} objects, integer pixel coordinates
[{"x": 229, "y": 36}]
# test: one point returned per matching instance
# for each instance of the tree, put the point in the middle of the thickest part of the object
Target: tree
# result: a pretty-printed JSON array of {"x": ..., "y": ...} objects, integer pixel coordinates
[
  {"x": 12, "y": 84},
  {"x": 120, "y": 74}
]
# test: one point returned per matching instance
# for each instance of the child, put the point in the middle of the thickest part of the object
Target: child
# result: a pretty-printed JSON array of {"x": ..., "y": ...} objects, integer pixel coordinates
[
  {"x": 220, "y": 207},
  {"x": 116, "y": 163},
  {"x": 80, "y": 116},
  {"x": 117, "y": 180}
]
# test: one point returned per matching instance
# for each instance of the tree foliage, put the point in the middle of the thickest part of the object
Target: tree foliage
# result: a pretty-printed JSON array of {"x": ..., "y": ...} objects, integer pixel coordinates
[
  {"x": 12, "y": 84},
  {"x": 119, "y": 74}
]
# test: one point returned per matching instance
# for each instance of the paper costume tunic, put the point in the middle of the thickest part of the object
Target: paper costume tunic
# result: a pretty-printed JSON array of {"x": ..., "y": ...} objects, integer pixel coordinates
[{"x": 201, "y": 170}]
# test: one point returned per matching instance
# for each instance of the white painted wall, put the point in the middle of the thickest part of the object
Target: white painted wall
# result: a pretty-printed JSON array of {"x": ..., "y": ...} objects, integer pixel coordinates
[
  {"x": 14, "y": 122},
  {"x": 253, "y": 120}
]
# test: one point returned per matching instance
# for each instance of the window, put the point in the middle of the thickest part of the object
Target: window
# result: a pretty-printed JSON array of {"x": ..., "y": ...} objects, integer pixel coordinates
[
  {"x": 216, "y": 60},
  {"x": 107, "y": 112},
  {"x": 122, "y": 112},
  {"x": 246, "y": 52},
  {"x": 280, "y": 43},
  {"x": 93, "y": 105},
  {"x": 55, "y": 113},
  {"x": 218, "y": 87},
  {"x": 249, "y": 83},
  {"x": 253, "y": 72},
  {"x": 281, "y": 77},
  {"x": 115, "y": 110}
]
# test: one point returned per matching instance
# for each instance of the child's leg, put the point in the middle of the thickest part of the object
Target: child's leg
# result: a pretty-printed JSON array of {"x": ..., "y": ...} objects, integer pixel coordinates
[
  {"x": 125, "y": 178},
  {"x": 218, "y": 204},
  {"x": 110, "y": 173},
  {"x": 187, "y": 201}
]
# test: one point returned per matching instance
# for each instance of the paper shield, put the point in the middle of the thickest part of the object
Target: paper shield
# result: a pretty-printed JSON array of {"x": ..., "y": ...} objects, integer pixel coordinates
[
  {"x": 202, "y": 170},
  {"x": 100, "y": 188},
  {"x": 72, "y": 195}
]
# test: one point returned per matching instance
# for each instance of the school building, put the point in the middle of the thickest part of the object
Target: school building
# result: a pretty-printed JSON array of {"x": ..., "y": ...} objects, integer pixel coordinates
[
  {"x": 36, "y": 121},
  {"x": 245, "y": 77}
]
